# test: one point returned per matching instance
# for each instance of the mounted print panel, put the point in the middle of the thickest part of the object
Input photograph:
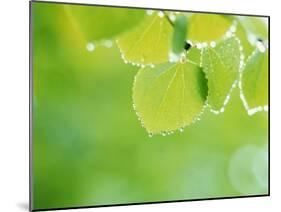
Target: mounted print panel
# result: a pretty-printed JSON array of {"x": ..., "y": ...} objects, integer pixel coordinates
[{"x": 135, "y": 106}]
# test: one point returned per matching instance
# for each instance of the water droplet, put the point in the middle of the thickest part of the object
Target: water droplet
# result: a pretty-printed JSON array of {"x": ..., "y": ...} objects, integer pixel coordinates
[
  {"x": 233, "y": 28},
  {"x": 107, "y": 43},
  {"x": 164, "y": 133},
  {"x": 150, "y": 135},
  {"x": 252, "y": 38},
  {"x": 199, "y": 46},
  {"x": 160, "y": 14},
  {"x": 241, "y": 63},
  {"x": 90, "y": 46},
  {"x": 215, "y": 111},
  {"x": 213, "y": 44},
  {"x": 182, "y": 58},
  {"x": 149, "y": 12},
  {"x": 228, "y": 34},
  {"x": 172, "y": 17},
  {"x": 261, "y": 47},
  {"x": 252, "y": 111},
  {"x": 142, "y": 66},
  {"x": 204, "y": 45},
  {"x": 181, "y": 129},
  {"x": 173, "y": 57},
  {"x": 152, "y": 66},
  {"x": 227, "y": 99}
]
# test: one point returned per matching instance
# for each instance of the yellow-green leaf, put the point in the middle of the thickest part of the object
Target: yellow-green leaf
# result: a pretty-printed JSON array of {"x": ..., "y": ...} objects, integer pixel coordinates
[
  {"x": 255, "y": 80},
  {"x": 221, "y": 65},
  {"x": 169, "y": 96},
  {"x": 148, "y": 43},
  {"x": 207, "y": 27}
]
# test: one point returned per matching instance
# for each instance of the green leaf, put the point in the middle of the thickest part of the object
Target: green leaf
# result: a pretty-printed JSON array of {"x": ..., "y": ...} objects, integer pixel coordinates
[
  {"x": 169, "y": 96},
  {"x": 179, "y": 35},
  {"x": 221, "y": 65},
  {"x": 255, "y": 80},
  {"x": 148, "y": 43},
  {"x": 207, "y": 27},
  {"x": 99, "y": 22}
]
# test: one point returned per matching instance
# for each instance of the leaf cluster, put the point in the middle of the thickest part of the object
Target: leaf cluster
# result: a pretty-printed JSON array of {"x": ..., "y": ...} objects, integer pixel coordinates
[{"x": 190, "y": 62}]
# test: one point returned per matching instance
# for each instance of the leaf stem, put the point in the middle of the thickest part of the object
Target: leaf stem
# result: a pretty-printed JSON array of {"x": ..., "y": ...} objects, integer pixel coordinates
[{"x": 168, "y": 18}]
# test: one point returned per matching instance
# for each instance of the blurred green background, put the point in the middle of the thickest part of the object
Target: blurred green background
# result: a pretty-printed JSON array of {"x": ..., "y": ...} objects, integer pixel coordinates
[{"x": 89, "y": 147}]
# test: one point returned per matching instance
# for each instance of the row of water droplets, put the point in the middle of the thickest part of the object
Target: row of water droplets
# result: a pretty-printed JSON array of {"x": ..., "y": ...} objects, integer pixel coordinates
[
  {"x": 181, "y": 129},
  {"x": 135, "y": 108},
  {"x": 228, "y": 34},
  {"x": 261, "y": 47},
  {"x": 234, "y": 84},
  {"x": 202, "y": 45},
  {"x": 91, "y": 46},
  {"x": 222, "y": 109},
  {"x": 198, "y": 117},
  {"x": 161, "y": 14},
  {"x": 140, "y": 65}
]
